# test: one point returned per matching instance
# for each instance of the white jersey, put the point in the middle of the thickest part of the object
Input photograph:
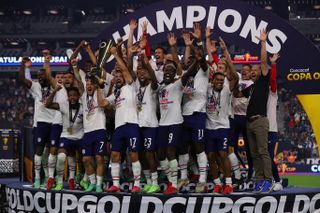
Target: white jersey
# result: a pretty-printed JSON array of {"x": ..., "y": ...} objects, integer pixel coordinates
[
  {"x": 40, "y": 96},
  {"x": 170, "y": 97},
  {"x": 195, "y": 93},
  {"x": 125, "y": 104},
  {"x": 158, "y": 70},
  {"x": 148, "y": 115},
  {"x": 75, "y": 123},
  {"x": 93, "y": 115},
  {"x": 218, "y": 106},
  {"x": 239, "y": 105},
  {"x": 60, "y": 97},
  {"x": 272, "y": 111}
]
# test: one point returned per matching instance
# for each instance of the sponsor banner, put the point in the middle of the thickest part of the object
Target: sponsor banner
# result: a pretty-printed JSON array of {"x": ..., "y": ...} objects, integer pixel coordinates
[
  {"x": 41, "y": 201},
  {"x": 302, "y": 168},
  {"x": 36, "y": 61},
  {"x": 238, "y": 23}
]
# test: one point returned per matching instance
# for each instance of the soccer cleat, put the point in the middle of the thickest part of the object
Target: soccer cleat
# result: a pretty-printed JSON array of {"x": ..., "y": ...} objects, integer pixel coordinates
[
  {"x": 277, "y": 187},
  {"x": 99, "y": 189},
  {"x": 201, "y": 187},
  {"x": 59, "y": 187},
  {"x": 72, "y": 184},
  {"x": 267, "y": 186},
  {"x": 36, "y": 183},
  {"x": 194, "y": 178},
  {"x": 146, "y": 188},
  {"x": 227, "y": 189},
  {"x": 135, "y": 189},
  {"x": 170, "y": 190},
  {"x": 90, "y": 188},
  {"x": 45, "y": 182},
  {"x": 50, "y": 183},
  {"x": 78, "y": 178},
  {"x": 113, "y": 189},
  {"x": 217, "y": 189},
  {"x": 182, "y": 183},
  {"x": 84, "y": 184},
  {"x": 153, "y": 189},
  {"x": 258, "y": 186}
]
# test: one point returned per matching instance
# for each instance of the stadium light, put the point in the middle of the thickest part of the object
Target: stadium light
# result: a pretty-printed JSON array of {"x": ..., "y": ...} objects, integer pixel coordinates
[
  {"x": 53, "y": 12},
  {"x": 27, "y": 12}
]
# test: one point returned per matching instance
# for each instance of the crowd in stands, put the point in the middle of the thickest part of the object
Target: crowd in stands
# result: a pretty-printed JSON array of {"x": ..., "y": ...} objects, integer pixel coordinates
[
  {"x": 297, "y": 130},
  {"x": 16, "y": 105}
]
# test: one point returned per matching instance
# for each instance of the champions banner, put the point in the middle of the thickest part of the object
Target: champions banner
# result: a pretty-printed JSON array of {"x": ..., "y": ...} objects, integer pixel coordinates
[
  {"x": 41, "y": 201},
  {"x": 237, "y": 23}
]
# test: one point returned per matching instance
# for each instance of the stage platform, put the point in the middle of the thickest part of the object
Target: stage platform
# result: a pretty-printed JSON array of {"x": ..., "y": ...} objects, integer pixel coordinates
[{"x": 21, "y": 197}]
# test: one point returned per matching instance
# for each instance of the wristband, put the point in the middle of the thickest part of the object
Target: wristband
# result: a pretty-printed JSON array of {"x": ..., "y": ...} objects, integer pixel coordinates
[{"x": 199, "y": 43}]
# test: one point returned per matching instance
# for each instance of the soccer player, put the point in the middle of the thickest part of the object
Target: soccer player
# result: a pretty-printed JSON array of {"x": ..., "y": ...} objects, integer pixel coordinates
[
  {"x": 93, "y": 145},
  {"x": 217, "y": 122},
  {"x": 126, "y": 132},
  {"x": 238, "y": 125},
  {"x": 272, "y": 117},
  {"x": 148, "y": 122},
  {"x": 71, "y": 136},
  {"x": 170, "y": 125},
  {"x": 62, "y": 97},
  {"x": 194, "y": 115},
  {"x": 40, "y": 91}
]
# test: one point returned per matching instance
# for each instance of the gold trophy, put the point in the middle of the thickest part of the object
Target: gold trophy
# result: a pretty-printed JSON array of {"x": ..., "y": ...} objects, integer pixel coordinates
[{"x": 103, "y": 56}]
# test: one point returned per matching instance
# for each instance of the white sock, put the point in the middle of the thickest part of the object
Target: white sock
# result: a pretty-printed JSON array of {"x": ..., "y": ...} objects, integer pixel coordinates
[
  {"x": 193, "y": 166},
  {"x": 99, "y": 180},
  {"x": 173, "y": 164},
  {"x": 136, "y": 169},
  {"x": 37, "y": 166},
  {"x": 228, "y": 181},
  {"x": 52, "y": 160},
  {"x": 44, "y": 159},
  {"x": 165, "y": 167},
  {"x": 183, "y": 165},
  {"x": 60, "y": 166},
  {"x": 235, "y": 165},
  {"x": 72, "y": 167},
  {"x": 217, "y": 181},
  {"x": 203, "y": 163},
  {"x": 154, "y": 178},
  {"x": 147, "y": 175},
  {"x": 93, "y": 179},
  {"x": 115, "y": 173},
  {"x": 85, "y": 177}
]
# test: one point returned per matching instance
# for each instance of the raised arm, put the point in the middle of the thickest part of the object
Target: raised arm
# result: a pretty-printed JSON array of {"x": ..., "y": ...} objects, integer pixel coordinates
[
  {"x": 88, "y": 49},
  {"x": 273, "y": 75},
  {"x": 188, "y": 43},
  {"x": 49, "y": 102},
  {"x": 192, "y": 70},
  {"x": 146, "y": 65},
  {"x": 77, "y": 76},
  {"x": 264, "y": 62},
  {"x": 77, "y": 50},
  {"x": 102, "y": 101},
  {"x": 231, "y": 71},
  {"x": 47, "y": 68},
  {"x": 144, "y": 27},
  {"x": 125, "y": 72},
  {"x": 133, "y": 26},
  {"x": 209, "y": 46},
  {"x": 172, "y": 40},
  {"x": 22, "y": 78}
]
